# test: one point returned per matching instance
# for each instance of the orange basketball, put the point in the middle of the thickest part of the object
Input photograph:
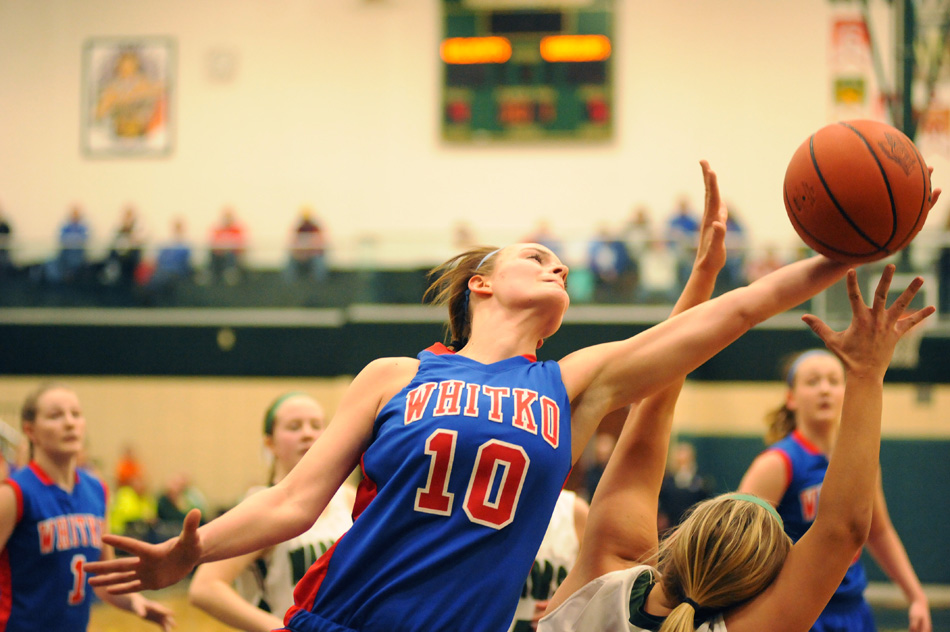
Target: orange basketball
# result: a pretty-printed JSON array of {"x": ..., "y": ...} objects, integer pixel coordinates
[{"x": 857, "y": 191}]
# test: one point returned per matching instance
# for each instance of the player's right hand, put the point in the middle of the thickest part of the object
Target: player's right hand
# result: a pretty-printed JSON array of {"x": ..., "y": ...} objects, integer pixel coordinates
[{"x": 152, "y": 566}]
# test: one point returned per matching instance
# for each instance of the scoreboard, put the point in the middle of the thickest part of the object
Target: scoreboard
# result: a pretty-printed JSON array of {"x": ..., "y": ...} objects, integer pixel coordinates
[{"x": 526, "y": 71}]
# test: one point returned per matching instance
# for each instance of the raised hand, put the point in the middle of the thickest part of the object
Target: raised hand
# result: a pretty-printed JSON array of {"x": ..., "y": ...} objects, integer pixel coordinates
[
  {"x": 867, "y": 345},
  {"x": 153, "y": 566},
  {"x": 711, "y": 251}
]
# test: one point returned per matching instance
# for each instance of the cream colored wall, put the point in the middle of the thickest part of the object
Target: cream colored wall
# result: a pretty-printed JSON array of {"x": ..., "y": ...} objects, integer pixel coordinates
[
  {"x": 337, "y": 103},
  {"x": 211, "y": 428},
  {"x": 208, "y": 427}
]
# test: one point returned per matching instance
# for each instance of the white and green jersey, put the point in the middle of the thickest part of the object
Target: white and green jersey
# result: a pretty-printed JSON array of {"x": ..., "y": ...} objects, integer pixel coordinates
[
  {"x": 613, "y": 603},
  {"x": 554, "y": 560},
  {"x": 269, "y": 582}
]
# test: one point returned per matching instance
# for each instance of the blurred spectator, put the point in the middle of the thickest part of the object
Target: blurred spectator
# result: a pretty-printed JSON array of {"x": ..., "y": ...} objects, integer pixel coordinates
[
  {"x": 172, "y": 264},
  {"x": 176, "y": 500},
  {"x": 307, "y": 249},
  {"x": 637, "y": 232},
  {"x": 614, "y": 271},
  {"x": 134, "y": 510},
  {"x": 682, "y": 232},
  {"x": 463, "y": 237},
  {"x": 657, "y": 281},
  {"x": 228, "y": 244},
  {"x": 761, "y": 263},
  {"x": 943, "y": 271},
  {"x": 125, "y": 251},
  {"x": 604, "y": 443},
  {"x": 733, "y": 273},
  {"x": 682, "y": 486},
  {"x": 544, "y": 235},
  {"x": 70, "y": 263},
  {"x": 6, "y": 244},
  {"x": 128, "y": 467}
]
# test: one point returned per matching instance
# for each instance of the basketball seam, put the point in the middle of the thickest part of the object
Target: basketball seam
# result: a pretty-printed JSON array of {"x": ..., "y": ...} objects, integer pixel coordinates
[
  {"x": 887, "y": 184},
  {"x": 822, "y": 243},
  {"x": 834, "y": 200},
  {"x": 923, "y": 202}
]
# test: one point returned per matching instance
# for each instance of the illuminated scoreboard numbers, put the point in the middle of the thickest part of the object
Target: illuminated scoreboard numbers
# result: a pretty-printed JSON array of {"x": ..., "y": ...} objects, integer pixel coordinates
[{"x": 526, "y": 74}]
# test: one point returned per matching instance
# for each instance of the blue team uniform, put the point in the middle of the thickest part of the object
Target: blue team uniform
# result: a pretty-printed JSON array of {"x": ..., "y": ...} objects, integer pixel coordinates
[
  {"x": 43, "y": 585},
  {"x": 462, "y": 475},
  {"x": 847, "y": 611}
]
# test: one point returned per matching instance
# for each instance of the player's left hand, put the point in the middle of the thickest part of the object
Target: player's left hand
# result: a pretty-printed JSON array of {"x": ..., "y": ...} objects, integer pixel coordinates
[
  {"x": 919, "y": 617},
  {"x": 711, "y": 251},
  {"x": 155, "y": 612}
]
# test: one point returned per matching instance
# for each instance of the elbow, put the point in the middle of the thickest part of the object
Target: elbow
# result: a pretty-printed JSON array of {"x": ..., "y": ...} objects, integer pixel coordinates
[
  {"x": 197, "y": 594},
  {"x": 851, "y": 533}
]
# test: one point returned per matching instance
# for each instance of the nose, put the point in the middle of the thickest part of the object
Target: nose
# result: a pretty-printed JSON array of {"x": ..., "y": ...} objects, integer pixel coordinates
[
  {"x": 311, "y": 432},
  {"x": 561, "y": 270}
]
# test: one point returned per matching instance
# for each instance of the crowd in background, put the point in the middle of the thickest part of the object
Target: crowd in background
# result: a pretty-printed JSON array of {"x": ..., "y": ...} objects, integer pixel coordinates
[{"x": 641, "y": 259}]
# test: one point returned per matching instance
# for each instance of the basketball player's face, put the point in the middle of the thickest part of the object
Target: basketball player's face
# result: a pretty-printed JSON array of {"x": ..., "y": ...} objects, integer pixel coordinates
[
  {"x": 818, "y": 392},
  {"x": 59, "y": 428},
  {"x": 298, "y": 423},
  {"x": 528, "y": 275}
]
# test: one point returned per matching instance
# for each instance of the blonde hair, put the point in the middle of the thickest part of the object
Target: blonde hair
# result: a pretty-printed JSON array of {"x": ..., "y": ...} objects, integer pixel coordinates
[
  {"x": 725, "y": 552},
  {"x": 449, "y": 286}
]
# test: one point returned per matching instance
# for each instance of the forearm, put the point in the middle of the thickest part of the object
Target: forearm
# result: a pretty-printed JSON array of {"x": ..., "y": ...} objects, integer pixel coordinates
[
  {"x": 259, "y": 521},
  {"x": 787, "y": 287},
  {"x": 847, "y": 494},
  {"x": 123, "y": 602}
]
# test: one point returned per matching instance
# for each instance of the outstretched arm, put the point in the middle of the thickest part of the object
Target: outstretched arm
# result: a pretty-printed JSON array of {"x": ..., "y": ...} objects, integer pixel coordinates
[
  {"x": 818, "y": 561},
  {"x": 889, "y": 553},
  {"x": 621, "y": 523},
  {"x": 272, "y": 515}
]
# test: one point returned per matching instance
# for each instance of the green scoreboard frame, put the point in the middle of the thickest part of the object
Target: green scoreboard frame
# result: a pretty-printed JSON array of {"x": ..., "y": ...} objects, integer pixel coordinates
[{"x": 525, "y": 74}]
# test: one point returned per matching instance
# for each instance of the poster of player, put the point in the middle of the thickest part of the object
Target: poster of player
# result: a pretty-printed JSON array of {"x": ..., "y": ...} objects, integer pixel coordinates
[{"x": 127, "y": 89}]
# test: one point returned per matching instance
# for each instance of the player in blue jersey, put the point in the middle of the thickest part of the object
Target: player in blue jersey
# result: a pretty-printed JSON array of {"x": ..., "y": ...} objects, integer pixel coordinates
[
  {"x": 730, "y": 565},
  {"x": 790, "y": 475},
  {"x": 52, "y": 519},
  {"x": 464, "y": 451}
]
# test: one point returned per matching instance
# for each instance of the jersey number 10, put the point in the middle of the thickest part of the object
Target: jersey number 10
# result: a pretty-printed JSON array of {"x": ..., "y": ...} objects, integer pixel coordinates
[{"x": 480, "y": 508}]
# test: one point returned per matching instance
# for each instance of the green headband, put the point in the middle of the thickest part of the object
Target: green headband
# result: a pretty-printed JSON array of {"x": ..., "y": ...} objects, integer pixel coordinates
[
  {"x": 758, "y": 501},
  {"x": 272, "y": 410}
]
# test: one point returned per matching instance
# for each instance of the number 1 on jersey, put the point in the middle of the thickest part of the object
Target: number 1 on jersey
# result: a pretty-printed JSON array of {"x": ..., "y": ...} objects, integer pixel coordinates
[{"x": 78, "y": 594}]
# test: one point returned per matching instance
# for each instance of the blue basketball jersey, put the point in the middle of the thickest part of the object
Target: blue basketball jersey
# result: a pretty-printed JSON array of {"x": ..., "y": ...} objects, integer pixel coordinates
[
  {"x": 462, "y": 475},
  {"x": 806, "y": 472},
  {"x": 43, "y": 585}
]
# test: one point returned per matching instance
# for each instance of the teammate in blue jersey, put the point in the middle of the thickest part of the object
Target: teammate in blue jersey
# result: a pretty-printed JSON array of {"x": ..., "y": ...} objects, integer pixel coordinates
[
  {"x": 729, "y": 565},
  {"x": 790, "y": 475},
  {"x": 52, "y": 519},
  {"x": 464, "y": 450}
]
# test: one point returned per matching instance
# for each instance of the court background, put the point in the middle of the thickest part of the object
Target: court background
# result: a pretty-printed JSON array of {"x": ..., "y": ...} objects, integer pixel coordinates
[{"x": 332, "y": 103}]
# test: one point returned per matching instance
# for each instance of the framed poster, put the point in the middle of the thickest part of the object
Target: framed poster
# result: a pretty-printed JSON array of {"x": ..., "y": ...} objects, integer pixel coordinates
[{"x": 127, "y": 87}]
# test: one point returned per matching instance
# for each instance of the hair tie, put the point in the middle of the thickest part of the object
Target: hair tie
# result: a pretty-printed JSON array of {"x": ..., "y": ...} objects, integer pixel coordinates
[{"x": 700, "y": 615}]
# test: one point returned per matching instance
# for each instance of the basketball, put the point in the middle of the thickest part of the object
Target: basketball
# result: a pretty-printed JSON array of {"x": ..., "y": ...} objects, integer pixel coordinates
[{"x": 857, "y": 191}]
